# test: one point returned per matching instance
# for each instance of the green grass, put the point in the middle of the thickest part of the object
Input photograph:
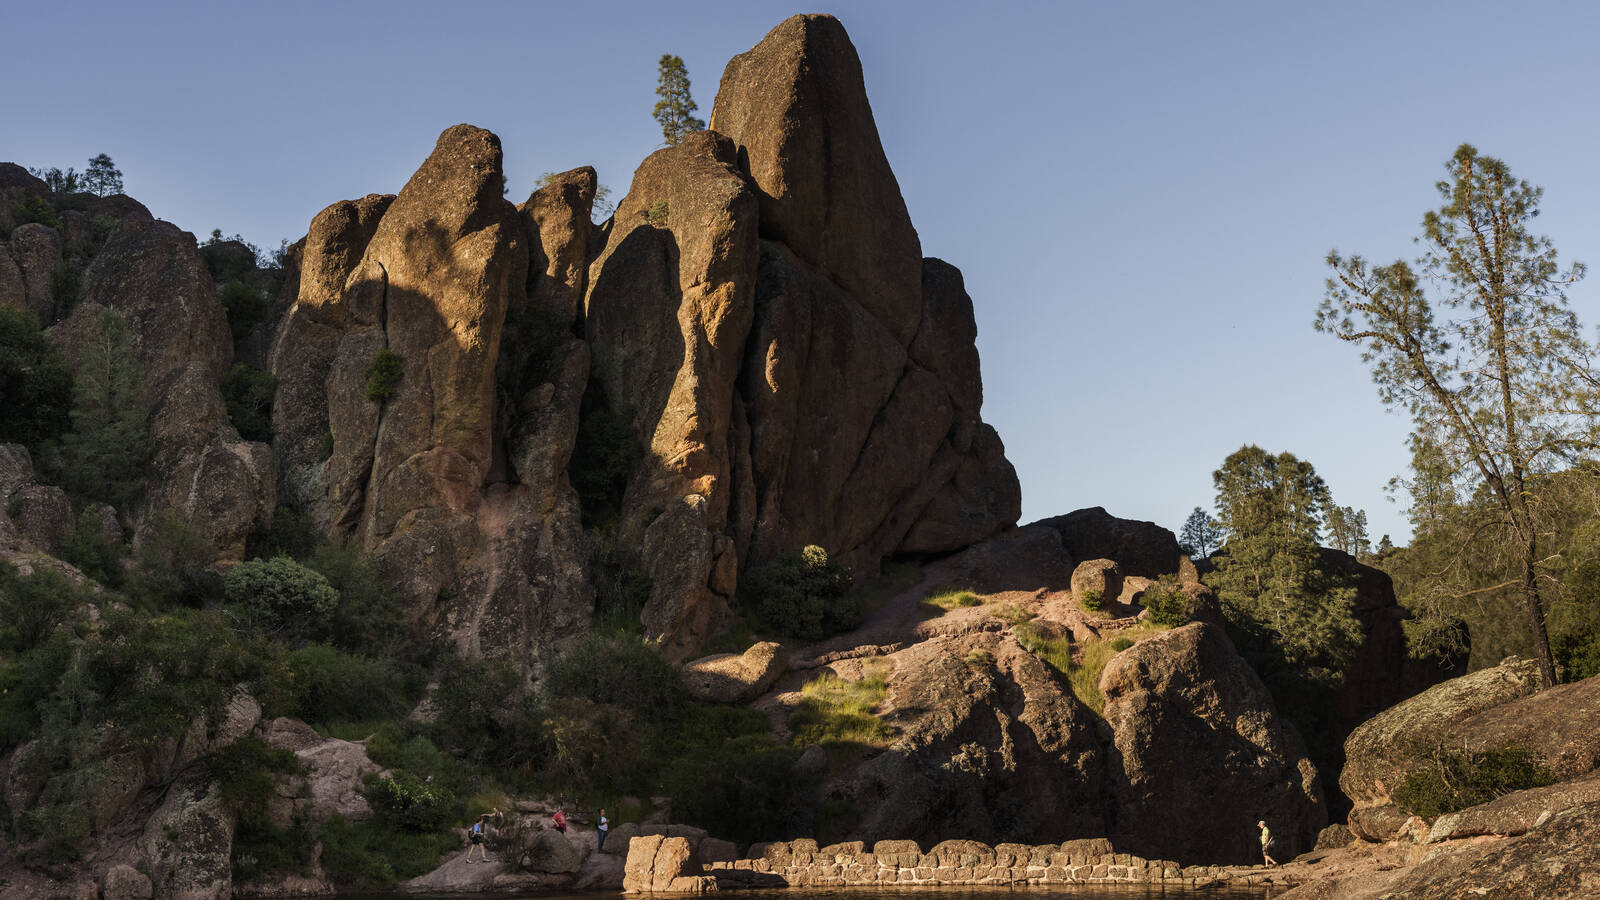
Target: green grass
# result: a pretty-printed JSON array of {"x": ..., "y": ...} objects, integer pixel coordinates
[
  {"x": 1085, "y": 674},
  {"x": 1011, "y": 615},
  {"x": 1055, "y": 652},
  {"x": 954, "y": 598},
  {"x": 833, "y": 711}
]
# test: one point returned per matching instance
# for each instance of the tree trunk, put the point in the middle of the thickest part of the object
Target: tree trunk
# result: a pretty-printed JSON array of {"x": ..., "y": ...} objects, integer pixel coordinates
[{"x": 1530, "y": 596}]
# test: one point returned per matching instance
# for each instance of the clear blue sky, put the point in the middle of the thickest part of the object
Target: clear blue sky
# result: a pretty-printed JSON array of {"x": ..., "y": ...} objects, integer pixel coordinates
[{"x": 1140, "y": 194}]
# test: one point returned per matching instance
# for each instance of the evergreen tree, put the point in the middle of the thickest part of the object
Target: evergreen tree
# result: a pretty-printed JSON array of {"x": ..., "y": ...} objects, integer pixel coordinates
[
  {"x": 35, "y": 381},
  {"x": 675, "y": 109},
  {"x": 1347, "y": 531},
  {"x": 1503, "y": 390},
  {"x": 102, "y": 177},
  {"x": 103, "y": 457},
  {"x": 1270, "y": 574},
  {"x": 1200, "y": 535}
]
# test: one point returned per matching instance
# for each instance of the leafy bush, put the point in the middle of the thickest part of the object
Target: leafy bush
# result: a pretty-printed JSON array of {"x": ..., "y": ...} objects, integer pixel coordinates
[
  {"x": 104, "y": 455},
  {"x": 409, "y": 802},
  {"x": 377, "y": 854},
  {"x": 247, "y": 391},
  {"x": 383, "y": 376},
  {"x": 30, "y": 208},
  {"x": 370, "y": 618},
  {"x": 802, "y": 594},
  {"x": 596, "y": 745},
  {"x": 245, "y": 306},
  {"x": 1167, "y": 602},
  {"x": 89, "y": 549},
  {"x": 35, "y": 380},
  {"x": 66, "y": 288},
  {"x": 246, "y": 771},
  {"x": 283, "y": 596},
  {"x": 1093, "y": 600},
  {"x": 327, "y": 685},
  {"x": 765, "y": 797},
  {"x": 618, "y": 671},
  {"x": 1453, "y": 780},
  {"x": 658, "y": 213},
  {"x": 174, "y": 566}
]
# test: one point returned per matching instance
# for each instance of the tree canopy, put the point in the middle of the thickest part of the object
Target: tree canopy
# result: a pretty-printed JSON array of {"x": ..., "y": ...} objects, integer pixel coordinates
[{"x": 1500, "y": 389}]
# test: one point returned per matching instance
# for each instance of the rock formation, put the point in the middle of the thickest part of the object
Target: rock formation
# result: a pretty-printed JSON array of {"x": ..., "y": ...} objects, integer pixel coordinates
[
  {"x": 1198, "y": 739},
  {"x": 759, "y": 316}
]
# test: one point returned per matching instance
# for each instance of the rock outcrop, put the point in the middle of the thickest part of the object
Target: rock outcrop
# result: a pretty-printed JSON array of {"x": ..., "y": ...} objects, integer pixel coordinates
[
  {"x": 1197, "y": 739},
  {"x": 990, "y": 746},
  {"x": 660, "y": 864},
  {"x": 735, "y": 677},
  {"x": 1380, "y": 752}
]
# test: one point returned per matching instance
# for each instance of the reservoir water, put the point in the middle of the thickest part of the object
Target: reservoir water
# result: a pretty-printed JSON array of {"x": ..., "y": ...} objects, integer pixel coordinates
[{"x": 1037, "y": 892}]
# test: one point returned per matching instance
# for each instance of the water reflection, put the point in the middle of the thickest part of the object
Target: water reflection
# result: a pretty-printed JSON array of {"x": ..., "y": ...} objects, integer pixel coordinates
[{"x": 1032, "y": 892}]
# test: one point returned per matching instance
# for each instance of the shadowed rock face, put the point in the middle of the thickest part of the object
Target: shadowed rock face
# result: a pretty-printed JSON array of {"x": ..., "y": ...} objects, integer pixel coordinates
[
  {"x": 201, "y": 471},
  {"x": 487, "y": 548},
  {"x": 1200, "y": 754}
]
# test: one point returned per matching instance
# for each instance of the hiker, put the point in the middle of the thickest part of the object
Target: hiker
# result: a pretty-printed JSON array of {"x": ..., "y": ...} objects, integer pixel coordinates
[
  {"x": 560, "y": 819},
  {"x": 478, "y": 835},
  {"x": 601, "y": 829},
  {"x": 1266, "y": 844}
]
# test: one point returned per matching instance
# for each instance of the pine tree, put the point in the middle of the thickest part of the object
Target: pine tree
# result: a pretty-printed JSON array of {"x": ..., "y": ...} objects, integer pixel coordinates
[
  {"x": 1270, "y": 574},
  {"x": 102, "y": 177},
  {"x": 675, "y": 109},
  {"x": 103, "y": 457},
  {"x": 1200, "y": 534},
  {"x": 1503, "y": 391}
]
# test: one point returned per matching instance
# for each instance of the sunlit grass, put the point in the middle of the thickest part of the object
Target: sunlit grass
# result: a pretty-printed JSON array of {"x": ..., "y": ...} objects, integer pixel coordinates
[
  {"x": 954, "y": 598},
  {"x": 1054, "y": 651},
  {"x": 1084, "y": 675},
  {"x": 835, "y": 711}
]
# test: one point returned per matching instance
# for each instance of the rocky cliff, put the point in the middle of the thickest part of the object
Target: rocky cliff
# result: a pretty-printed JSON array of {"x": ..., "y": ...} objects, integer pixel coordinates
[{"x": 757, "y": 311}]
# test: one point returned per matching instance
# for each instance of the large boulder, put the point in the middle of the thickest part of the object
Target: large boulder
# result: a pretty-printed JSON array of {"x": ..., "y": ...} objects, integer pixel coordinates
[
  {"x": 1198, "y": 739},
  {"x": 1139, "y": 548},
  {"x": 556, "y": 217},
  {"x": 189, "y": 842},
  {"x": 660, "y": 864},
  {"x": 735, "y": 677},
  {"x": 1384, "y": 749},
  {"x": 13, "y": 289},
  {"x": 990, "y": 746},
  {"x": 332, "y": 779}
]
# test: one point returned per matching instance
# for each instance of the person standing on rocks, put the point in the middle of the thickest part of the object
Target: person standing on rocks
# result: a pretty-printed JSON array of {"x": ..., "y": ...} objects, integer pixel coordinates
[
  {"x": 560, "y": 819},
  {"x": 1266, "y": 844},
  {"x": 479, "y": 837},
  {"x": 602, "y": 828}
]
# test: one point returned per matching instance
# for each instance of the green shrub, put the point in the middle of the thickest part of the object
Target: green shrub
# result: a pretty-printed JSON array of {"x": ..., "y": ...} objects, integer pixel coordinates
[
  {"x": 1167, "y": 602},
  {"x": 764, "y": 798},
  {"x": 325, "y": 446},
  {"x": 618, "y": 671},
  {"x": 247, "y": 391},
  {"x": 410, "y": 802},
  {"x": 247, "y": 772},
  {"x": 174, "y": 567},
  {"x": 801, "y": 594},
  {"x": 282, "y": 596},
  {"x": 1085, "y": 675},
  {"x": 377, "y": 854},
  {"x": 593, "y": 745},
  {"x": 327, "y": 685},
  {"x": 383, "y": 376},
  {"x": 1452, "y": 780},
  {"x": 34, "y": 208},
  {"x": 1093, "y": 600},
  {"x": 370, "y": 617},
  {"x": 658, "y": 213},
  {"x": 93, "y": 553},
  {"x": 245, "y": 306},
  {"x": 35, "y": 380},
  {"x": 66, "y": 288},
  {"x": 263, "y": 850},
  {"x": 954, "y": 599},
  {"x": 105, "y": 454}
]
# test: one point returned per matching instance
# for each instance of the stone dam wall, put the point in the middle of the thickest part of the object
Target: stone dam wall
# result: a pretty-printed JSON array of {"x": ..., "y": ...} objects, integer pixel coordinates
[{"x": 659, "y": 864}]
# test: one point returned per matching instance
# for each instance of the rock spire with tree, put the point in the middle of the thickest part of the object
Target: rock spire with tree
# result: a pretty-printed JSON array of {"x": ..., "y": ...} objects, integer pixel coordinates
[{"x": 1503, "y": 390}]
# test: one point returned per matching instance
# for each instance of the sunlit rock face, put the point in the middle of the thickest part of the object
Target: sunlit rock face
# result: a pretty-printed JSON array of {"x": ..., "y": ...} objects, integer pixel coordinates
[{"x": 757, "y": 311}]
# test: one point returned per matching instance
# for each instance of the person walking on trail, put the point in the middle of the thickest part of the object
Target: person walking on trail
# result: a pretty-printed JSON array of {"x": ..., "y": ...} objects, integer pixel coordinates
[
  {"x": 478, "y": 835},
  {"x": 1266, "y": 844},
  {"x": 560, "y": 819},
  {"x": 602, "y": 828}
]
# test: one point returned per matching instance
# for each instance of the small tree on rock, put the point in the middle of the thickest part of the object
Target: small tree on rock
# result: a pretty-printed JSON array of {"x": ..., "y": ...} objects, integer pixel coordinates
[
  {"x": 1200, "y": 535},
  {"x": 102, "y": 177},
  {"x": 675, "y": 109}
]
